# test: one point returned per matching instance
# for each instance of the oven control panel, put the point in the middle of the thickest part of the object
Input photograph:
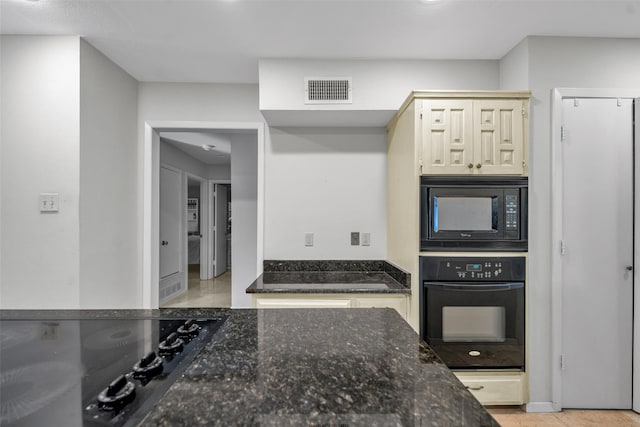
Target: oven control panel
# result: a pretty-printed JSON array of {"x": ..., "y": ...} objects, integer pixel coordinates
[{"x": 473, "y": 268}]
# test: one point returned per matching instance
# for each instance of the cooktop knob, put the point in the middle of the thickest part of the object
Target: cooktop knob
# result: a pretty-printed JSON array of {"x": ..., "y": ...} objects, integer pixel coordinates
[
  {"x": 147, "y": 367},
  {"x": 189, "y": 329},
  {"x": 171, "y": 345},
  {"x": 118, "y": 394}
]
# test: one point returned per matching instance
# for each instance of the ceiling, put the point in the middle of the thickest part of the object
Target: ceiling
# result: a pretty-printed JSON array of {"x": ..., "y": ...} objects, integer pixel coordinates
[
  {"x": 218, "y": 145},
  {"x": 222, "y": 40}
]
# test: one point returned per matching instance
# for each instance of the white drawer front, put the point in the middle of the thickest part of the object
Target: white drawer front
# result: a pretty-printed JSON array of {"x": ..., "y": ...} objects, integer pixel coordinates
[
  {"x": 302, "y": 303},
  {"x": 499, "y": 390}
]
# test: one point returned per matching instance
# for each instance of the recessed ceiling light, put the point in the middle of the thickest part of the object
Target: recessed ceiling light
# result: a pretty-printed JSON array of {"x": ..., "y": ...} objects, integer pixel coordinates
[{"x": 208, "y": 147}]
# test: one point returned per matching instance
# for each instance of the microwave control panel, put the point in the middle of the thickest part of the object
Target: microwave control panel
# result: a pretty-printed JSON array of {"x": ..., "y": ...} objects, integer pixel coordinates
[
  {"x": 473, "y": 268},
  {"x": 511, "y": 212}
]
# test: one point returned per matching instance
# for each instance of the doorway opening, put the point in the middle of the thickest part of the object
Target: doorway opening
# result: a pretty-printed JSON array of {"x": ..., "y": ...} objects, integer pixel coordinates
[
  {"x": 242, "y": 249},
  {"x": 206, "y": 280}
]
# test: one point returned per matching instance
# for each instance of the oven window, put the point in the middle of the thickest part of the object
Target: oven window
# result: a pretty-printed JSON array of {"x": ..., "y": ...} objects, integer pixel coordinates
[
  {"x": 465, "y": 213},
  {"x": 465, "y": 324}
]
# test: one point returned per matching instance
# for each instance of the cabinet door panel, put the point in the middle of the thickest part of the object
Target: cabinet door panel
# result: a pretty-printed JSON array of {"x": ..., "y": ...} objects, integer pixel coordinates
[
  {"x": 499, "y": 137},
  {"x": 447, "y": 136}
]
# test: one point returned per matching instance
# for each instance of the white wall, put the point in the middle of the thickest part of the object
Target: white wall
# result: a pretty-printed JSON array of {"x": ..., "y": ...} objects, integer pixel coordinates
[
  {"x": 559, "y": 62},
  {"x": 164, "y": 102},
  {"x": 376, "y": 84},
  {"x": 244, "y": 217},
  {"x": 109, "y": 254},
  {"x": 514, "y": 68},
  {"x": 330, "y": 182},
  {"x": 170, "y": 155},
  {"x": 219, "y": 172},
  {"x": 40, "y": 152}
]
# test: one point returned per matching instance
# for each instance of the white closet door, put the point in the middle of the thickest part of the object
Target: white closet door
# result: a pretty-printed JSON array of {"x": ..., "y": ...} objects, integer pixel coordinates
[
  {"x": 597, "y": 285},
  {"x": 636, "y": 295},
  {"x": 171, "y": 205}
]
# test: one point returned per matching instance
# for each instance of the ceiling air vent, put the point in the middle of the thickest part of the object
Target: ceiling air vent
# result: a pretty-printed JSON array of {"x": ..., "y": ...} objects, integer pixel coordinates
[{"x": 327, "y": 90}]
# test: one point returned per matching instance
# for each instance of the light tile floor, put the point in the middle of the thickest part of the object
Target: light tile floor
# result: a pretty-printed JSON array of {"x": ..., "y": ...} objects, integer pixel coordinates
[
  {"x": 516, "y": 417},
  {"x": 215, "y": 292}
]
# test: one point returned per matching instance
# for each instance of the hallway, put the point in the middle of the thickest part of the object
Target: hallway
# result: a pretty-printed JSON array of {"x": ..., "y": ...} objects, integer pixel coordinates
[{"x": 214, "y": 292}]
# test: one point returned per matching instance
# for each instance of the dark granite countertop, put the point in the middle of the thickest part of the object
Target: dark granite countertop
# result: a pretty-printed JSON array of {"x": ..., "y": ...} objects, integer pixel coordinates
[
  {"x": 322, "y": 367},
  {"x": 324, "y": 277}
]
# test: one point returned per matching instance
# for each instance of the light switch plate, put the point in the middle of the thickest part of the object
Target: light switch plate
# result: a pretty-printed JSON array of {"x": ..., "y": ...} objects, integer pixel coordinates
[{"x": 49, "y": 202}]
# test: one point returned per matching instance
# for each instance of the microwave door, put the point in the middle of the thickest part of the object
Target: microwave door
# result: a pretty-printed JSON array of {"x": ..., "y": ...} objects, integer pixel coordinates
[{"x": 465, "y": 215}]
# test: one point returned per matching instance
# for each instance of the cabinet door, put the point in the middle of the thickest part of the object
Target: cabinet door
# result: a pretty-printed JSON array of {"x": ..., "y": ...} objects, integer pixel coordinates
[
  {"x": 447, "y": 137},
  {"x": 498, "y": 137}
]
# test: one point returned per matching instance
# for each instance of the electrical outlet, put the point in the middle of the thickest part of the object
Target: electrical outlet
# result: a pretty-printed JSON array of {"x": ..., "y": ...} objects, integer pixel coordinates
[
  {"x": 308, "y": 239},
  {"x": 49, "y": 202},
  {"x": 49, "y": 331},
  {"x": 355, "y": 238},
  {"x": 366, "y": 239}
]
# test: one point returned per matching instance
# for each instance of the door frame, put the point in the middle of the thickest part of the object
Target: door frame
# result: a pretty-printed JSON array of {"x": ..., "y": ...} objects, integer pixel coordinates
[
  {"x": 557, "y": 97},
  {"x": 211, "y": 241},
  {"x": 203, "y": 211},
  {"x": 151, "y": 195}
]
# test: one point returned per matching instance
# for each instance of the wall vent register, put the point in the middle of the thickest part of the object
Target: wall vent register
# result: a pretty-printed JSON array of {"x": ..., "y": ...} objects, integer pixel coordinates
[{"x": 327, "y": 90}]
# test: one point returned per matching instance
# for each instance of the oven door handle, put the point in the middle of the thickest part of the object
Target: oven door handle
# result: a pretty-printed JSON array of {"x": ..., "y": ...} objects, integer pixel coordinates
[{"x": 476, "y": 286}]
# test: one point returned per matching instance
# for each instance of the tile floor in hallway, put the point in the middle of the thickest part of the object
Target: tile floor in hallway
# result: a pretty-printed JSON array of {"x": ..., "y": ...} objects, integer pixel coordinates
[
  {"x": 516, "y": 417},
  {"x": 214, "y": 292}
]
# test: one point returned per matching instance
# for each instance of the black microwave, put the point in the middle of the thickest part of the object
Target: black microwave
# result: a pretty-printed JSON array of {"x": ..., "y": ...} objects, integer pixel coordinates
[{"x": 481, "y": 213}]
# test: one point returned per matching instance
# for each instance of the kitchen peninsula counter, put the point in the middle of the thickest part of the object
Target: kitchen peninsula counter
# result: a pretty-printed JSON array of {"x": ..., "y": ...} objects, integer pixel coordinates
[{"x": 326, "y": 367}]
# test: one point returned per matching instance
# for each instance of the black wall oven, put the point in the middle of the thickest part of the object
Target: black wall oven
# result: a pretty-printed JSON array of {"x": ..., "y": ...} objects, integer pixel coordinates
[
  {"x": 483, "y": 213},
  {"x": 472, "y": 310}
]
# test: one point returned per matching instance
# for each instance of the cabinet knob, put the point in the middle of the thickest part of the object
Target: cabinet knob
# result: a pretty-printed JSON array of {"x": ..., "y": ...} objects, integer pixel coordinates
[
  {"x": 479, "y": 165},
  {"x": 470, "y": 165},
  {"x": 164, "y": 243}
]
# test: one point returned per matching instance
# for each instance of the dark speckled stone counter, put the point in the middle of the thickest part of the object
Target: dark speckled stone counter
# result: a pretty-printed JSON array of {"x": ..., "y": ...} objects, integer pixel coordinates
[
  {"x": 317, "y": 277},
  {"x": 322, "y": 367}
]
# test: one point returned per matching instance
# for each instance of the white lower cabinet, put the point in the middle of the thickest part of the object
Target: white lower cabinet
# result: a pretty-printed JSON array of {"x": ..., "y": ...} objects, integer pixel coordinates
[
  {"x": 495, "y": 388},
  {"x": 397, "y": 302},
  {"x": 301, "y": 303}
]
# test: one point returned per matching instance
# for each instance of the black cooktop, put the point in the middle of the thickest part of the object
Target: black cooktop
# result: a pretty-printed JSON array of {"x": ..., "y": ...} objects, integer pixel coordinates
[{"x": 93, "y": 372}]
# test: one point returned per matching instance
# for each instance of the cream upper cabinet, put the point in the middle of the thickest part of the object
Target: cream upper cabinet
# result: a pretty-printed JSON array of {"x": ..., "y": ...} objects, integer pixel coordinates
[
  {"x": 448, "y": 137},
  {"x": 498, "y": 135},
  {"x": 479, "y": 137}
]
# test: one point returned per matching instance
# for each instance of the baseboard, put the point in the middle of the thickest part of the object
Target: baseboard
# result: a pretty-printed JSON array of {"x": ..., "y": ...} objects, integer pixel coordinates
[{"x": 541, "y": 407}]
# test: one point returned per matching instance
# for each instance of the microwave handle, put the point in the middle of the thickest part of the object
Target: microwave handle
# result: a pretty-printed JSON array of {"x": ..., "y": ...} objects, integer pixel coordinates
[{"x": 476, "y": 286}]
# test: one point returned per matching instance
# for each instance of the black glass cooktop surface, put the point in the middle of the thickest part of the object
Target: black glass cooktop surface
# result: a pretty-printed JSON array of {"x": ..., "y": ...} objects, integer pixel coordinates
[{"x": 92, "y": 372}]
